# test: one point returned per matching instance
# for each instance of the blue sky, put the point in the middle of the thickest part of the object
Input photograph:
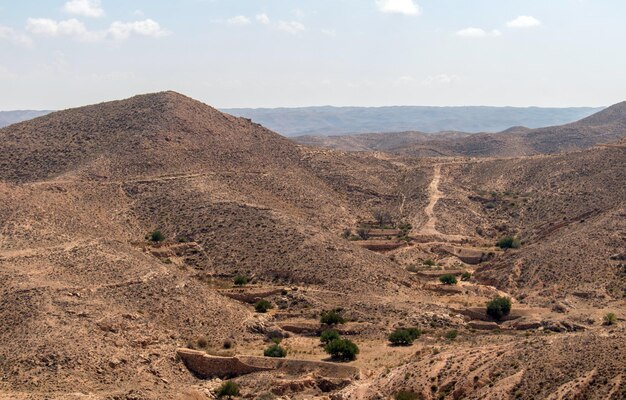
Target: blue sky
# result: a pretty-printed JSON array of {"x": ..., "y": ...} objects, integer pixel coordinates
[{"x": 266, "y": 53}]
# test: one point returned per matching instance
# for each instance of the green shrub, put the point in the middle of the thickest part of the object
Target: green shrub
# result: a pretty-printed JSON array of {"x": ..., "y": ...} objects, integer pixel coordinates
[
  {"x": 157, "y": 236},
  {"x": 466, "y": 276},
  {"x": 404, "y": 337},
  {"x": 228, "y": 390},
  {"x": 448, "y": 279},
  {"x": 331, "y": 318},
  {"x": 275, "y": 351},
  {"x": 451, "y": 334},
  {"x": 411, "y": 268},
  {"x": 342, "y": 349},
  {"x": 430, "y": 263},
  {"x": 241, "y": 280},
  {"x": 509, "y": 242},
  {"x": 262, "y": 306},
  {"x": 499, "y": 307},
  {"x": 404, "y": 395},
  {"x": 329, "y": 335},
  {"x": 609, "y": 319}
]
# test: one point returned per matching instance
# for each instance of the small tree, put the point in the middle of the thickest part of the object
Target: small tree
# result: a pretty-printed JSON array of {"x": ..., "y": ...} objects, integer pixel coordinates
[
  {"x": 609, "y": 319},
  {"x": 509, "y": 242},
  {"x": 448, "y": 279},
  {"x": 466, "y": 276},
  {"x": 331, "y": 318},
  {"x": 382, "y": 218},
  {"x": 329, "y": 335},
  {"x": 262, "y": 306},
  {"x": 430, "y": 263},
  {"x": 241, "y": 280},
  {"x": 275, "y": 351},
  {"x": 499, "y": 307},
  {"x": 342, "y": 349},
  {"x": 404, "y": 395},
  {"x": 228, "y": 389},
  {"x": 157, "y": 236},
  {"x": 404, "y": 337}
]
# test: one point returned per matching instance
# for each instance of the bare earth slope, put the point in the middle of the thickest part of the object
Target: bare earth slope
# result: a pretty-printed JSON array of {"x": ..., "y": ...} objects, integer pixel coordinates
[{"x": 89, "y": 308}]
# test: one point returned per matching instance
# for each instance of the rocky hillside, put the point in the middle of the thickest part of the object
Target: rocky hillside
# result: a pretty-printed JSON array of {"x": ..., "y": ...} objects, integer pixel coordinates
[{"x": 133, "y": 228}]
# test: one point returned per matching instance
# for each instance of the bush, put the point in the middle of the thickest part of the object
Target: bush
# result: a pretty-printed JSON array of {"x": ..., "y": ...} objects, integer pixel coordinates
[
  {"x": 329, "y": 335},
  {"x": 275, "y": 351},
  {"x": 346, "y": 234},
  {"x": 403, "y": 395},
  {"x": 262, "y": 306},
  {"x": 452, "y": 334},
  {"x": 363, "y": 234},
  {"x": 448, "y": 279},
  {"x": 241, "y": 280},
  {"x": 342, "y": 349},
  {"x": 203, "y": 342},
  {"x": 228, "y": 390},
  {"x": 430, "y": 263},
  {"x": 404, "y": 337},
  {"x": 499, "y": 307},
  {"x": 466, "y": 276},
  {"x": 609, "y": 319},
  {"x": 411, "y": 268},
  {"x": 157, "y": 236},
  {"x": 509, "y": 242},
  {"x": 331, "y": 318}
]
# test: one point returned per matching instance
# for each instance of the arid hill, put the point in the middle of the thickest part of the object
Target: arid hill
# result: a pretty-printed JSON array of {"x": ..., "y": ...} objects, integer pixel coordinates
[
  {"x": 94, "y": 304},
  {"x": 605, "y": 126}
]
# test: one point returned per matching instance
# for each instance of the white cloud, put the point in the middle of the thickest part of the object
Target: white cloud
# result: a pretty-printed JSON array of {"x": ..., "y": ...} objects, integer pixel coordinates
[
  {"x": 14, "y": 37},
  {"x": 85, "y": 8},
  {"x": 71, "y": 27},
  {"x": 472, "y": 32},
  {"x": 123, "y": 30},
  {"x": 329, "y": 32},
  {"x": 291, "y": 26},
  {"x": 406, "y": 7},
  {"x": 239, "y": 20},
  {"x": 263, "y": 18},
  {"x": 524, "y": 21},
  {"x": 77, "y": 30}
]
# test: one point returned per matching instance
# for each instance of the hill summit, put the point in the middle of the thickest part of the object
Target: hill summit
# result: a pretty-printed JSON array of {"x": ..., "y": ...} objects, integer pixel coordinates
[{"x": 147, "y": 134}]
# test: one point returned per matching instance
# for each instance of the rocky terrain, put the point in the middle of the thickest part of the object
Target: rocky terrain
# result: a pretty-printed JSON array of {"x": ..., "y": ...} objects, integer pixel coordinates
[{"x": 92, "y": 306}]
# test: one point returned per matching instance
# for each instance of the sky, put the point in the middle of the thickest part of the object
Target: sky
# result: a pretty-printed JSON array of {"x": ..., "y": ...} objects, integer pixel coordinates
[{"x": 57, "y": 54}]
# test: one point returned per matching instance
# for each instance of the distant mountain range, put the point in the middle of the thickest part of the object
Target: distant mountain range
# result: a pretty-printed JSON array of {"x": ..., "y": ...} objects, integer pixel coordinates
[
  {"x": 605, "y": 126},
  {"x": 325, "y": 121},
  {"x": 11, "y": 117}
]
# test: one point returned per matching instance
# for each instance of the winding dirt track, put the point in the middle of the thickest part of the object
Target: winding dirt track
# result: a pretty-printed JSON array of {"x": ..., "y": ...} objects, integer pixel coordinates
[{"x": 429, "y": 228}]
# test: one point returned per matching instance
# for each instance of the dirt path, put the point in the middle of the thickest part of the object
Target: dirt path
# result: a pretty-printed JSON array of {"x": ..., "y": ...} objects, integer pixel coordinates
[{"x": 429, "y": 228}]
